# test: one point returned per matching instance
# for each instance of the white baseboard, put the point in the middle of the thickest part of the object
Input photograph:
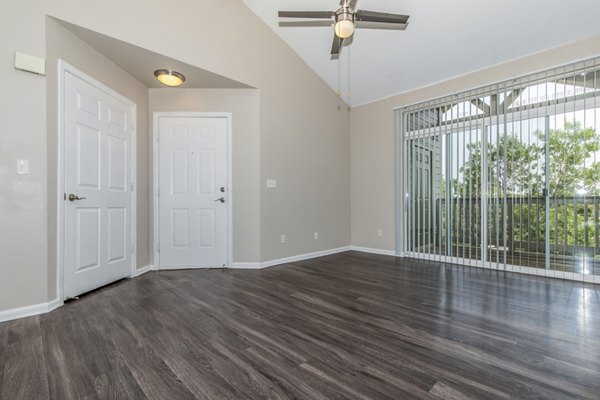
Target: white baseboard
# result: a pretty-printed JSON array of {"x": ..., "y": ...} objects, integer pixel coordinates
[
  {"x": 54, "y": 304},
  {"x": 143, "y": 270},
  {"x": 373, "y": 251},
  {"x": 299, "y": 257},
  {"x": 306, "y": 256},
  {"x": 28, "y": 311},
  {"x": 246, "y": 265}
]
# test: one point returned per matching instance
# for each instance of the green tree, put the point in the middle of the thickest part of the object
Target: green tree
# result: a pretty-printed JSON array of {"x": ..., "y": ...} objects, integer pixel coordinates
[
  {"x": 516, "y": 168},
  {"x": 572, "y": 163},
  {"x": 512, "y": 165}
]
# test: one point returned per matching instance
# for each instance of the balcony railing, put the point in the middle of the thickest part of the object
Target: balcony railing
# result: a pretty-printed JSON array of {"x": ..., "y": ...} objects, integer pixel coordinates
[{"x": 517, "y": 228}]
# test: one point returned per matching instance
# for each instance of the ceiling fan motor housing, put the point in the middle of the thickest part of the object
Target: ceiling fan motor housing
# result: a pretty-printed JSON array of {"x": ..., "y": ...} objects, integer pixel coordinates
[{"x": 345, "y": 13}]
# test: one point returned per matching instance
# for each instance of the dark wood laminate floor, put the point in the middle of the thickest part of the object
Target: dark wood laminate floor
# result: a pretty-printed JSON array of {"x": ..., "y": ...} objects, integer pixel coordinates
[{"x": 348, "y": 326}]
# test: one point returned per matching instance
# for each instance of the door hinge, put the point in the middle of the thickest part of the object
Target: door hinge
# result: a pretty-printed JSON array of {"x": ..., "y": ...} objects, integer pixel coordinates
[
  {"x": 132, "y": 186},
  {"x": 157, "y": 192},
  {"x": 158, "y": 247},
  {"x": 157, "y": 136},
  {"x": 132, "y": 247}
]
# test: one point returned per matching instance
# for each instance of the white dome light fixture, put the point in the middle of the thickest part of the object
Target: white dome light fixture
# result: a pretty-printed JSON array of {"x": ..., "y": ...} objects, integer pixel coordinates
[
  {"x": 344, "y": 23},
  {"x": 169, "y": 77}
]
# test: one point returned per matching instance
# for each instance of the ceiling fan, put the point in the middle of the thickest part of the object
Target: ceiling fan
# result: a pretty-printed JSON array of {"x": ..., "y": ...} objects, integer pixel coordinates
[{"x": 344, "y": 20}]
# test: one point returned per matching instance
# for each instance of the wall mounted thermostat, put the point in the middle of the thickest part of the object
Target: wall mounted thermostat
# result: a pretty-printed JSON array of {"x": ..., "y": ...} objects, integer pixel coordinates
[
  {"x": 22, "y": 167},
  {"x": 29, "y": 63}
]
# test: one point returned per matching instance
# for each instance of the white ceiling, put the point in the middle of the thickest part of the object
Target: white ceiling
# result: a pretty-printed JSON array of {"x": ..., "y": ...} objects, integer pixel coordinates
[{"x": 444, "y": 39}]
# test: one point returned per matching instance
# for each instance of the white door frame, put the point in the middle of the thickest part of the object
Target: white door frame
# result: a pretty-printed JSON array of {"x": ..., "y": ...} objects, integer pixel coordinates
[
  {"x": 64, "y": 68},
  {"x": 156, "y": 182}
]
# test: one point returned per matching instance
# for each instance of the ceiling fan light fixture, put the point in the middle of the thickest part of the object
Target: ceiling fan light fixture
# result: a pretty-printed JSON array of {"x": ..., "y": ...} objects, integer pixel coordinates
[
  {"x": 169, "y": 77},
  {"x": 344, "y": 28},
  {"x": 344, "y": 22}
]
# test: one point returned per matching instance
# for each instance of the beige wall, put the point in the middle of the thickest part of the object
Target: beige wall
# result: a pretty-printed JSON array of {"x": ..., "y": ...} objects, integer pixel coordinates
[
  {"x": 303, "y": 134},
  {"x": 62, "y": 44},
  {"x": 304, "y": 129},
  {"x": 307, "y": 150},
  {"x": 23, "y": 272},
  {"x": 372, "y": 153},
  {"x": 243, "y": 104}
]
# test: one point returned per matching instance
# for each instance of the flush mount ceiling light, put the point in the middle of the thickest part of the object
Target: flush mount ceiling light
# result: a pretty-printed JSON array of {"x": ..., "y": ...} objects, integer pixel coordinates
[{"x": 169, "y": 78}]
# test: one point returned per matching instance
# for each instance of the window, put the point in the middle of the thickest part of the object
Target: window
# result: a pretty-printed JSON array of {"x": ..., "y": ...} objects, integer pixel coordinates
[{"x": 507, "y": 176}]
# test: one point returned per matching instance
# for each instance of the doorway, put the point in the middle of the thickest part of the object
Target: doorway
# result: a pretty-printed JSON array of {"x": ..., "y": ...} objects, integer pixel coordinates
[{"x": 192, "y": 190}]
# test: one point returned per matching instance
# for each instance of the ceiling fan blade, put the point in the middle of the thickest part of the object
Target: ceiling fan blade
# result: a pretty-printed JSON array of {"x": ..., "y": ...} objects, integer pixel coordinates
[
  {"x": 305, "y": 23},
  {"x": 380, "y": 25},
  {"x": 374, "y": 16},
  {"x": 306, "y": 14},
  {"x": 336, "y": 48}
]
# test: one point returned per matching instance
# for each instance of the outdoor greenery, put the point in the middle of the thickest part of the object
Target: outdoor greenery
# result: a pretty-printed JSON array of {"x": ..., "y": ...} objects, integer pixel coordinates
[
  {"x": 517, "y": 169},
  {"x": 516, "y": 172}
]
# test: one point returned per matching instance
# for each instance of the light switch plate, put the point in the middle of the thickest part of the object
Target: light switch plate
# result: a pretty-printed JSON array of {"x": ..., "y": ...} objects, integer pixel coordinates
[
  {"x": 271, "y": 183},
  {"x": 22, "y": 167}
]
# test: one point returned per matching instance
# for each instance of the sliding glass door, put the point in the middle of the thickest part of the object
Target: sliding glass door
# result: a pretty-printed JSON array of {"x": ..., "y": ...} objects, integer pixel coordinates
[
  {"x": 515, "y": 186},
  {"x": 574, "y": 192},
  {"x": 508, "y": 176}
]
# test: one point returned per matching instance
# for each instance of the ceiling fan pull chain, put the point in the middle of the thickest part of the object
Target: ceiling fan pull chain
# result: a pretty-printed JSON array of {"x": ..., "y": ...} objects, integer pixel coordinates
[
  {"x": 349, "y": 95},
  {"x": 339, "y": 91}
]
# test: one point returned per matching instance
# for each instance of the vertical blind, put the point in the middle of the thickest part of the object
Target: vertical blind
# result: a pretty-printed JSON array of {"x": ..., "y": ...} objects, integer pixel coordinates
[{"x": 507, "y": 176}]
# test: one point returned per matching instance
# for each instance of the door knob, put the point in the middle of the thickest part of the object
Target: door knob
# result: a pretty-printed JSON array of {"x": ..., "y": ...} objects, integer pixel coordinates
[
  {"x": 73, "y": 197},
  {"x": 222, "y": 200}
]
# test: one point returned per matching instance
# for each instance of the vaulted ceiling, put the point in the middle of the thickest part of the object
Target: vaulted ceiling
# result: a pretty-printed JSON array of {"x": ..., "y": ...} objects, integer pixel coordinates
[{"x": 444, "y": 39}]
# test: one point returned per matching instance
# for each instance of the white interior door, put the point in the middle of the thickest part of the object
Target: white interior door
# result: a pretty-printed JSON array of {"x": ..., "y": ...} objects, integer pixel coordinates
[
  {"x": 98, "y": 135},
  {"x": 193, "y": 192}
]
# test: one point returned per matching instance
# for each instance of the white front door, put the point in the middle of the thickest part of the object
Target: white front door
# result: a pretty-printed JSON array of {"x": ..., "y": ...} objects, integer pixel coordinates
[
  {"x": 193, "y": 193},
  {"x": 98, "y": 135}
]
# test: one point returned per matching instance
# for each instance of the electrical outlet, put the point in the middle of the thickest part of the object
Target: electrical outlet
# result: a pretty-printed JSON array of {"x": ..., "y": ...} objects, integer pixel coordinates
[
  {"x": 316, "y": 235},
  {"x": 380, "y": 233},
  {"x": 283, "y": 239}
]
